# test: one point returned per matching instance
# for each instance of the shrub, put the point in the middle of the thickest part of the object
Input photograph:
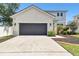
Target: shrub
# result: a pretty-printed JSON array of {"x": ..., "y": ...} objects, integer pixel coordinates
[
  {"x": 51, "y": 33},
  {"x": 67, "y": 33},
  {"x": 72, "y": 33},
  {"x": 76, "y": 33},
  {"x": 64, "y": 32}
]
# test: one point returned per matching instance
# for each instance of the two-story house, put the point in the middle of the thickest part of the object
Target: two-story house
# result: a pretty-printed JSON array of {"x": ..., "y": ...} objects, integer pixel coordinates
[
  {"x": 60, "y": 16},
  {"x": 35, "y": 21}
]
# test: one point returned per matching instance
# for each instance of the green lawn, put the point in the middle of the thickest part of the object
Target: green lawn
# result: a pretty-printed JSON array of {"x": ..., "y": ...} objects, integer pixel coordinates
[
  {"x": 76, "y": 36},
  {"x": 2, "y": 39},
  {"x": 73, "y": 49}
]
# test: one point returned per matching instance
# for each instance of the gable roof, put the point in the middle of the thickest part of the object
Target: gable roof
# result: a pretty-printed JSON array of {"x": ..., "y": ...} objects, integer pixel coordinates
[{"x": 32, "y": 6}]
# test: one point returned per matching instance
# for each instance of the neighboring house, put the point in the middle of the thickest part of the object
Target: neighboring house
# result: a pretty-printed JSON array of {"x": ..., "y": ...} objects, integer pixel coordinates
[
  {"x": 76, "y": 20},
  {"x": 35, "y": 21}
]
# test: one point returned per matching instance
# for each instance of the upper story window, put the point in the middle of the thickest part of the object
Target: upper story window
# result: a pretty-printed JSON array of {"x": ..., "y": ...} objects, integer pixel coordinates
[
  {"x": 57, "y": 14},
  {"x": 61, "y": 14}
]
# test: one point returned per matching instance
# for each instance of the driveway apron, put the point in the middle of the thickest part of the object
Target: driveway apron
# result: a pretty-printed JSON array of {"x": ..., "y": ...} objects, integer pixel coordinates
[{"x": 32, "y": 45}]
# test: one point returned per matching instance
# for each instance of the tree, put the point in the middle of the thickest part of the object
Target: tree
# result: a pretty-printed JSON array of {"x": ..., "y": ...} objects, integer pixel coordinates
[
  {"x": 6, "y": 10},
  {"x": 73, "y": 26}
]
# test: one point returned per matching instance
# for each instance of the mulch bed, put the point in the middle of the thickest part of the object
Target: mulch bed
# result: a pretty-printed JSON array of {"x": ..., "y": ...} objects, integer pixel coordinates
[{"x": 68, "y": 39}]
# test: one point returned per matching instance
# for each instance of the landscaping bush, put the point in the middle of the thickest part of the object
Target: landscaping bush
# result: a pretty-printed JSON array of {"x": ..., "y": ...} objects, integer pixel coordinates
[
  {"x": 51, "y": 33},
  {"x": 73, "y": 33},
  {"x": 65, "y": 32},
  {"x": 68, "y": 33}
]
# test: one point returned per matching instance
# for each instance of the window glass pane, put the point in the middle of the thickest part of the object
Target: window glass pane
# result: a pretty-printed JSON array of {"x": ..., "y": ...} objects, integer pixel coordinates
[
  {"x": 57, "y": 14},
  {"x": 61, "y": 14}
]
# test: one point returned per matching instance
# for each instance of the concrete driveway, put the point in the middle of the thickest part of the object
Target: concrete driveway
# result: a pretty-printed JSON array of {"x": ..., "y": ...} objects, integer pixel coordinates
[{"x": 32, "y": 45}]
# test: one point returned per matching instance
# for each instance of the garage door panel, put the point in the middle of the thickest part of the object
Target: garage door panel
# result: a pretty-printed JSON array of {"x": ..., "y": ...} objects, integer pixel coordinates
[{"x": 32, "y": 29}]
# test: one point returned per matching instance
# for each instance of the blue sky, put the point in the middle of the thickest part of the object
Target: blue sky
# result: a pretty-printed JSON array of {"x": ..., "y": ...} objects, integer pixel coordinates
[{"x": 72, "y": 8}]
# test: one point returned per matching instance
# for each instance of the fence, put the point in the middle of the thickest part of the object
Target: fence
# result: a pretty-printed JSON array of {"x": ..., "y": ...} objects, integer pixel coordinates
[{"x": 3, "y": 32}]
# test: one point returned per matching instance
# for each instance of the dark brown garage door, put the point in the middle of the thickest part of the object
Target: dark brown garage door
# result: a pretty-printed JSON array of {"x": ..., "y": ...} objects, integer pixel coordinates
[{"x": 32, "y": 29}]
